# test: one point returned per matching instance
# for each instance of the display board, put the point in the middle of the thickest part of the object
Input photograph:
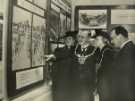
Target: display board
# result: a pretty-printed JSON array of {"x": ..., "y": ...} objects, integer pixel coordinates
[
  {"x": 60, "y": 22},
  {"x": 26, "y": 45}
]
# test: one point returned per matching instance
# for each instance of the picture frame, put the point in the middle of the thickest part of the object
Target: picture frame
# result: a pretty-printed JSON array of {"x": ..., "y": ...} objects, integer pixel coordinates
[
  {"x": 20, "y": 30},
  {"x": 63, "y": 24},
  {"x": 21, "y": 39},
  {"x": 91, "y": 17},
  {"x": 54, "y": 25}
]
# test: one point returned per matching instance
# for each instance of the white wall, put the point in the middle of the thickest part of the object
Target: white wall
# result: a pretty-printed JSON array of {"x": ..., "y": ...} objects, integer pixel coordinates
[
  {"x": 98, "y": 2},
  {"x": 1, "y": 5}
]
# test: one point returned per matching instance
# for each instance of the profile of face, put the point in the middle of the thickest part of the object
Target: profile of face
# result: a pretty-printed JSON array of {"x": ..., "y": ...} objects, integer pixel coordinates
[
  {"x": 83, "y": 37},
  {"x": 69, "y": 41},
  {"x": 116, "y": 39}
]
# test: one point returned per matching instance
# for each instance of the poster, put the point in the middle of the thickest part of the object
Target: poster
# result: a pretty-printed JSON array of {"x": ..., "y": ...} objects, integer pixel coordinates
[
  {"x": 38, "y": 40},
  {"x": 54, "y": 25},
  {"x": 63, "y": 24},
  {"x": 123, "y": 16},
  {"x": 68, "y": 24},
  {"x": 92, "y": 19},
  {"x": 28, "y": 77},
  {"x": 21, "y": 39}
]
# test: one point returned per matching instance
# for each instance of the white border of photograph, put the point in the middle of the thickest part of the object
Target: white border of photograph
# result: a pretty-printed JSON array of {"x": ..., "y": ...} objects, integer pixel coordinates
[
  {"x": 28, "y": 77},
  {"x": 21, "y": 39},
  {"x": 92, "y": 19}
]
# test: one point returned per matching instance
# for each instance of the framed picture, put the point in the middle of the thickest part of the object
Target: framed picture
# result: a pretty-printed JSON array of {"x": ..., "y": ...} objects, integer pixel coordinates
[
  {"x": 68, "y": 24},
  {"x": 38, "y": 40},
  {"x": 54, "y": 25},
  {"x": 92, "y": 19},
  {"x": 21, "y": 39},
  {"x": 25, "y": 29},
  {"x": 63, "y": 24}
]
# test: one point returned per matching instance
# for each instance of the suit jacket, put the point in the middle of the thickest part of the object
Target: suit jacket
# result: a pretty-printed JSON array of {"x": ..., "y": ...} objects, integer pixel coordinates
[{"x": 123, "y": 74}]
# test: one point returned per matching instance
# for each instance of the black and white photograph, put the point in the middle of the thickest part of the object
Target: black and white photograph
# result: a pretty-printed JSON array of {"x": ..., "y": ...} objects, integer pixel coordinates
[
  {"x": 54, "y": 25},
  {"x": 89, "y": 19},
  {"x": 67, "y": 50},
  {"x": 21, "y": 36},
  {"x": 63, "y": 24},
  {"x": 68, "y": 24},
  {"x": 38, "y": 40}
]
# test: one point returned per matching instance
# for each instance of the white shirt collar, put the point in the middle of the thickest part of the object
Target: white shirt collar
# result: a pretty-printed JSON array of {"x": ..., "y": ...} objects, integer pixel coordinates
[{"x": 124, "y": 43}]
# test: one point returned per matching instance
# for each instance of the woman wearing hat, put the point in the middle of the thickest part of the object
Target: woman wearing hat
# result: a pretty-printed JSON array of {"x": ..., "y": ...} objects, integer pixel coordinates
[{"x": 62, "y": 71}]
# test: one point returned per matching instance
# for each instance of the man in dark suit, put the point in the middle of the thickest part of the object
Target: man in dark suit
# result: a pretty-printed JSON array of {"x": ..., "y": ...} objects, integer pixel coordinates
[
  {"x": 123, "y": 68},
  {"x": 85, "y": 71}
]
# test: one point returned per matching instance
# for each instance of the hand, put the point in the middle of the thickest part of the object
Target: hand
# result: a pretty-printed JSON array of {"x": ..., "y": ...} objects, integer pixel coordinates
[{"x": 49, "y": 57}]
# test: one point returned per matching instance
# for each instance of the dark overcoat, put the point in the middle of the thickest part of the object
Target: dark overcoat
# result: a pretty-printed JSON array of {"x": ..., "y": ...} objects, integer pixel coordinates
[
  {"x": 123, "y": 74},
  {"x": 61, "y": 74}
]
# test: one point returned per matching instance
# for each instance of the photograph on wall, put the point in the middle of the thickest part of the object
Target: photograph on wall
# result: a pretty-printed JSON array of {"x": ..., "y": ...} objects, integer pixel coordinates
[
  {"x": 54, "y": 25},
  {"x": 92, "y": 19},
  {"x": 29, "y": 6},
  {"x": 38, "y": 40},
  {"x": 41, "y": 3},
  {"x": 123, "y": 16},
  {"x": 68, "y": 24},
  {"x": 28, "y": 77},
  {"x": 63, "y": 24},
  {"x": 21, "y": 39}
]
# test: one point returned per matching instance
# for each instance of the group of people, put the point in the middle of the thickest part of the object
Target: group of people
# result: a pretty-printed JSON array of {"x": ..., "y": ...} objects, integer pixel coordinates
[{"x": 102, "y": 63}]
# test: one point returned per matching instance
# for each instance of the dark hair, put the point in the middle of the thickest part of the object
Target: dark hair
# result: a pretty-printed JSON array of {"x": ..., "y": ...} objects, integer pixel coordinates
[
  {"x": 71, "y": 33},
  {"x": 102, "y": 33},
  {"x": 121, "y": 30}
]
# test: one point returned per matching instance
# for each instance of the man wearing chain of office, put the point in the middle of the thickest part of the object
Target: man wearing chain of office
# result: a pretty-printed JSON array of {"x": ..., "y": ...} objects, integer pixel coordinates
[{"x": 85, "y": 71}]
